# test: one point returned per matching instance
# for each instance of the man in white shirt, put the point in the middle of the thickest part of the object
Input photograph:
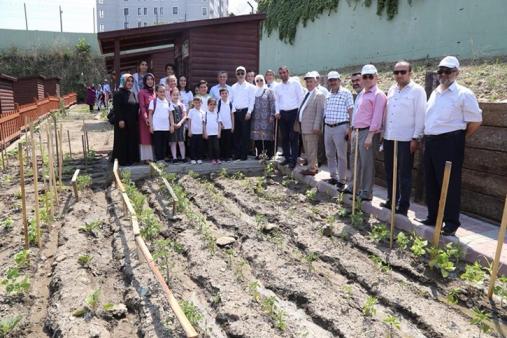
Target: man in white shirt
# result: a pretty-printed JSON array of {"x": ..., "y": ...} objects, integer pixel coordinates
[
  {"x": 288, "y": 97},
  {"x": 452, "y": 114},
  {"x": 269, "y": 76},
  {"x": 222, "y": 83},
  {"x": 243, "y": 94},
  {"x": 320, "y": 87},
  {"x": 404, "y": 122}
]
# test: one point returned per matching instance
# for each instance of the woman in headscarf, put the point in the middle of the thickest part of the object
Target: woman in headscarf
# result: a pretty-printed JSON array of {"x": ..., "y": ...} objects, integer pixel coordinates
[
  {"x": 145, "y": 96},
  {"x": 262, "y": 118},
  {"x": 126, "y": 125},
  {"x": 91, "y": 96}
]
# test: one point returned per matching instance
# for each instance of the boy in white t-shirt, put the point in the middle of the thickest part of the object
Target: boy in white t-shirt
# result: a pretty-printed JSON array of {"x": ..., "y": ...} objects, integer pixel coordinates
[
  {"x": 195, "y": 131},
  {"x": 226, "y": 112},
  {"x": 212, "y": 127},
  {"x": 161, "y": 123}
]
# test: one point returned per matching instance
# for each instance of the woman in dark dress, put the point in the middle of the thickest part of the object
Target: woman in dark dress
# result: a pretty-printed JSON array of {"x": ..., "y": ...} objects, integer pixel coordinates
[{"x": 126, "y": 126}]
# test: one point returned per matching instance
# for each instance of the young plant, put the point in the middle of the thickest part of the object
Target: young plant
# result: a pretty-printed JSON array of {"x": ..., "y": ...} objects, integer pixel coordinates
[
  {"x": 7, "y": 325},
  {"x": 393, "y": 323},
  {"x": 402, "y": 240},
  {"x": 269, "y": 169},
  {"x": 14, "y": 284},
  {"x": 253, "y": 290},
  {"x": 440, "y": 259},
  {"x": 22, "y": 259},
  {"x": 91, "y": 227},
  {"x": 369, "y": 309},
  {"x": 6, "y": 224},
  {"x": 357, "y": 218},
  {"x": 93, "y": 300},
  {"x": 260, "y": 220},
  {"x": 310, "y": 258},
  {"x": 84, "y": 260},
  {"x": 32, "y": 232},
  {"x": 379, "y": 232},
  {"x": 108, "y": 307},
  {"x": 238, "y": 175},
  {"x": 480, "y": 318},
  {"x": 193, "y": 174},
  {"x": 136, "y": 198},
  {"x": 223, "y": 173},
  {"x": 83, "y": 181},
  {"x": 419, "y": 245},
  {"x": 454, "y": 251},
  {"x": 501, "y": 289},
  {"x": 379, "y": 262},
  {"x": 151, "y": 225},
  {"x": 191, "y": 311},
  {"x": 270, "y": 306},
  {"x": 474, "y": 274},
  {"x": 452, "y": 297},
  {"x": 311, "y": 195}
]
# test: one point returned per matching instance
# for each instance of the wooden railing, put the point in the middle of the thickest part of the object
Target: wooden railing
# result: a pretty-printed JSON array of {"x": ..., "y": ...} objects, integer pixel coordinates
[{"x": 14, "y": 122}]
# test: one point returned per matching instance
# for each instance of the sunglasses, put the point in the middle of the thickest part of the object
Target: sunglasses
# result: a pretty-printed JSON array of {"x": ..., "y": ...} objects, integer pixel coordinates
[
  {"x": 259, "y": 80},
  {"x": 402, "y": 72},
  {"x": 445, "y": 71},
  {"x": 240, "y": 73},
  {"x": 368, "y": 77}
]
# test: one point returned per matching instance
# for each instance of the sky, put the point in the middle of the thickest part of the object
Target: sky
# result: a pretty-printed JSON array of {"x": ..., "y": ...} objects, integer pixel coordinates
[{"x": 77, "y": 14}]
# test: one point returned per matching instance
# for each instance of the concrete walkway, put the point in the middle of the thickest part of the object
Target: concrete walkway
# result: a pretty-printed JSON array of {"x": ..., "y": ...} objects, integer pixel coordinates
[{"x": 478, "y": 238}]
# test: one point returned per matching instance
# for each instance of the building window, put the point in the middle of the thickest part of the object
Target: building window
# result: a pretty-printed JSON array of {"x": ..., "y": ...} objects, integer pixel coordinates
[
  {"x": 155, "y": 11},
  {"x": 125, "y": 25},
  {"x": 161, "y": 11},
  {"x": 145, "y": 24},
  {"x": 101, "y": 28},
  {"x": 138, "y": 10},
  {"x": 139, "y": 24},
  {"x": 175, "y": 10},
  {"x": 204, "y": 11},
  {"x": 125, "y": 11},
  {"x": 101, "y": 13},
  {"x": 145, "y": 11}
]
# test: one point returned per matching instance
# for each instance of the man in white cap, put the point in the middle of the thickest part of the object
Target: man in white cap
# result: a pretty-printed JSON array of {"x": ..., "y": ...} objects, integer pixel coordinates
[
  {"x": 404, "y": 123},
  {"x": 320, "y": 87},
  {"x": 367, "y": 121},
  {"x": 452, "y": 114},
  {"x": 243, "y": 94},
  {"x": 288, "y": 98},
  {"x": 310, "y": 116},
  {"x": 337, "y": 112}
]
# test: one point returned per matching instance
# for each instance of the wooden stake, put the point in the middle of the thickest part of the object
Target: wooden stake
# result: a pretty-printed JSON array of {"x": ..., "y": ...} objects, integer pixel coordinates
[
  {"x": 500, "y": 239},
  {"x": 47, "y": 183},
  {"x": 52, "y": 167},
  {"x": 87, "y": 143},
  {"x": 70, "y": 148},
  {"x": 23, "y": 196},
  {"x": 60, "y": 160},
  {"x": 276, "y": 137},
  {"x": 56, "y": 140},
  {"x": 3, "y": 146},
  {"x": 73, "y": 181},
  {"x": 84, "y": 150},
  {"x": 441, "y": 204},
  {"x": 393, "y": 192},
  {"x": 35, "y": 186},
  {"x": 354, "y": 184}
]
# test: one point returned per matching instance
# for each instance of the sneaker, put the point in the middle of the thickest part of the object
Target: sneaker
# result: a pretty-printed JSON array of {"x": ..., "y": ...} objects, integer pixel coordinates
[
  {"x": 199, "y": 162},
  {"x": 386, "y": 204},
  {"x": 193, "y": 162}
]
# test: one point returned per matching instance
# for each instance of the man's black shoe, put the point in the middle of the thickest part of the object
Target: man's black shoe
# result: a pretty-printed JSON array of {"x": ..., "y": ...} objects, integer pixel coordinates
[
  {"x": 449, "y": 231},
  {"x": 292, "y": 166},
  {"x": 386, "y": 204},
  {"x": 284, "y": 162},
  {"x": 340, "y": 186},
  {"x": 347, "y": 190},
  {"x": 427, "y": 221},
  {"x": 401, "y": 211},
  {"x": 332, "y": 181}
]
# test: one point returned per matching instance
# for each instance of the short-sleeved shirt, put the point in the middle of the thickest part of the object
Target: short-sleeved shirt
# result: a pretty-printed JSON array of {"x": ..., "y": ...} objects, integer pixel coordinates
[
  {"x": 161, "y": 120},
  {"x": 196, "y": 119},
  {"x": 337, "y": 106},
  {"x": 450, "y": 110},
  {"x": 212, "y": 121},
  {"x": 225, "y": 113}
]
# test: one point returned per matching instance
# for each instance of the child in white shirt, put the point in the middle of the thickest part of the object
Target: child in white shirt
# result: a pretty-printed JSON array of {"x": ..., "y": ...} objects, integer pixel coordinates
[
  {"x": 212, "y": 128},
  {"x": 161, "y": 123},
  {"x": 226, "y": 111},
  {"x": 195, "y": 131}
]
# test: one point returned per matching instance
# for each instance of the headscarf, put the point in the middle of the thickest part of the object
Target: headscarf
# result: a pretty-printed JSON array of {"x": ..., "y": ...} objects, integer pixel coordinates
[
  {"x": 145, "y": 84},
  {"x": 260, "y": 90},
  {"x": 123, "y": 79}
]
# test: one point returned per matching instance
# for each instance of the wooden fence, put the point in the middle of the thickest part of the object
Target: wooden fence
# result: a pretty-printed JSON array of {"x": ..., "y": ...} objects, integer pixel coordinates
[
  {"x": 14, "y": 122},
  {"x": 484, "y": 181}
]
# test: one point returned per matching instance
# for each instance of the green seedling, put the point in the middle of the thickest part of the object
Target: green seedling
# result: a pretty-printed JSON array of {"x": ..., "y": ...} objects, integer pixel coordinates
[
  {"x": 347, "y": 289},
  {"x": 402, "y": 240},
  {"x": 193, "y": 174},
  {"x": 7, "y": 325},
  {"x": 419, "y": 245},
  {"x": 223, "y": 173},
  {"x": 379, "y": 262},
  {"x": 216, "y": 299},
  {"x": 393, "y": 323},
  {"x": 454, "y": 251},
  {"x": 22, "y": 259},
  {"x": 84, "y": 260},
  {"x": 440, "y": 259},
  {"x": 32, "y": 232},
  {"x": 369, "y": 309},
  {"x": 357, "y": 219},
  {"x": 135, "y": 197},
  {"x": 270, "y": 306},
  {"x": 269, "y": 169},
  {"x": 501, "y": 289},
  {"x": 253, "y": 290},
  {"x": 14, "y": 283},
  {"x": 238, "y": 269},
  {"x": 480, "y": 318},
  {"x": 311, "y": 195},
  {"x": 260, "y": 187},
  {"x": 162, "y": 255},
  {"x": 379, "y": 232},
  {"x": 260, "y": 220},
  {"x": 108, "y": 307},
  {"x": 7, "y": 179},
  {"x": 6, "y": 224},
  {"x": 151, "y": 225},
  {"x": 230, "y": 255},
  {"x": 83, "y": 181},
  {"x": 93, "y": 300},
  {"x": 191, "y": 311},
  {"x": 91, "y": 228},
  {"x": 474, "y": 274},
  {"x": 238, "y": 175},
  {"x": 453, "y": 296},
  {"x": 310, "y": 258}
]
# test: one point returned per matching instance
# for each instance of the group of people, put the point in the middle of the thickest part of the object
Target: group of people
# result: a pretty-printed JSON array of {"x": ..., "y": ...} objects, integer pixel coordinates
[
  {"x": 153, "y": 121},
  {"x": 98, "y": 95}
]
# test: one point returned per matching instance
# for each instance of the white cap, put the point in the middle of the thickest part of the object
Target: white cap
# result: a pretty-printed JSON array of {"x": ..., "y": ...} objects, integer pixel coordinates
[
  {"x": 241, "y": 68},
  {"x": 315, "y": 73},
  {"x": 449, "y": 62},
  {"x": 368, "y": 69},
  {"x": 333, "y": 75},
  {"x": 310, "y": 75}
]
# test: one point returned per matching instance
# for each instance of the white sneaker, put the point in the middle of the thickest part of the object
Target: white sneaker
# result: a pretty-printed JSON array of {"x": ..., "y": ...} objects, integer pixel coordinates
[
  {"x": 193, "y": 162},
  {"x": 199, "y": 162}
]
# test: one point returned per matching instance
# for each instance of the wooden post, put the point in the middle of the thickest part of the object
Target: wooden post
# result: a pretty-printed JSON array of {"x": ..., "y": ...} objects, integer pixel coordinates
[
  {"x": 393, "y": 191},
  {"x": 276, "y": 137},
  {"x": 70, "y": 148},
  {"x": 60, "y": 159},
  {"x": 56, "y": 140},
  {"x": 441, "y": 204},
  {"x": 500, "y": 239},
  {"x": 2, "y": 150},
  {"x": 84, "y": 150},
  {"x": 74, "y": 183},
  {"x": 23, "y": 196},
  {"x": 35, "y": 187},
  {"x": 87, "y": 143},
  {"x": 354, "y": 184},
  {"x": 52, "y": 166}
]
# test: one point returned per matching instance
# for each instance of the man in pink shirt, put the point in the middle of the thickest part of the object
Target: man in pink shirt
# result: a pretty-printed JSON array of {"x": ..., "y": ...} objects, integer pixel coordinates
[{"x": 367, "y": 120}]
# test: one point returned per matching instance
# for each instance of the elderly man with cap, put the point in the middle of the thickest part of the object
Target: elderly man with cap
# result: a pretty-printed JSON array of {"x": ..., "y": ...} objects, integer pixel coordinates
[
  {"x": 288, "y": 98},
  {"x": 367, "y": 121},
  {"x": 337, "y": 112},
  {"x": 310, "y": 117},
  {"x": 404, "y": 123},
  {"x": 320, "y": 87},
  {"x": 269, "y": 76},
  {"x": 243, "y": 94},
  {"x": 452, "y": 114}
]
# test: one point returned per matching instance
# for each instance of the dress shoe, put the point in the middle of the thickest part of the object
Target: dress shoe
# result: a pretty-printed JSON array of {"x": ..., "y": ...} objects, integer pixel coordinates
[
  {"x": 401, "y": 211},
  {"x": 427, "y": 221},
  {"x": 347, "y": 190},
  {"x": 284, "y": 162},
  {"x": 386, "y": 204},
  {"x": 449, "y": 231},
  {"x": 332, "y": 181},
  {"x": 340, "y": 186}
]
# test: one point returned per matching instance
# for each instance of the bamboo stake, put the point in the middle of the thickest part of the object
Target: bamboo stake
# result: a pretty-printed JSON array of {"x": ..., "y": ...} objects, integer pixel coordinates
[
  {"x": 500, "y": 239},
  {"x": 44, "y": 180},
  {"x": 56, "y": 139},
  {"x": 84, "y": 150},
  {"x": 35, "y": 186},
  {"x": 441, "y": 204},
  {"x": 52, "y": 167},
  {"x": 70, "y": 148},
  {"x": 87, "y": 143},
  {"x": 3, "y": 146},
  {"x": 276, "y": 137},
  {"x": 23, "y": 196},
  {"x": 354, "y": 184},
  {"x": 393, "y": 192},
  {"x": 60, "y": 159}
]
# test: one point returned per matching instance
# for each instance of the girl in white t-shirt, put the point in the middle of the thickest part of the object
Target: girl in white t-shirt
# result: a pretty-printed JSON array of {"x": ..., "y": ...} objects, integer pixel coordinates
[
  {"x": 212, "y": 128},
  {"x": 195, "y": 131},
  {"x": 161, "y": 123}
]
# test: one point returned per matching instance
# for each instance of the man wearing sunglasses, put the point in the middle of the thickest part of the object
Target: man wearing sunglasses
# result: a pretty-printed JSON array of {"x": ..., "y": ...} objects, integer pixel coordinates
[
  {"x": 367, "y": 121},
  {"x": 452, "y": 113},
  {"x": 404, "y": 122},
  {"x": 243, "y": 94}
]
